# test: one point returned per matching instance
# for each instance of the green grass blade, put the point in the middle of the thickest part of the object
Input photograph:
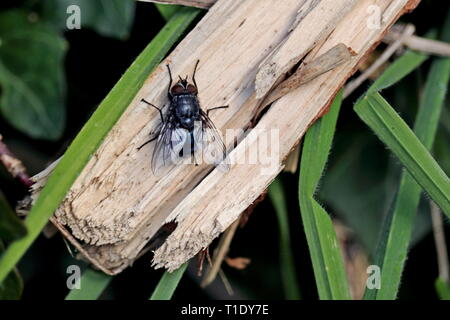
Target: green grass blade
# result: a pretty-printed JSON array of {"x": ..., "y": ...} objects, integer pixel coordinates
[
  {"x": 325, "y": 253},
  {"x": 401, "y": 223},
  {"x": 395, "y": 133},
  {"x": 92, "y": 284},
  {"x": 442, "y": 289},
  {"x": 398, "y": 227},
  {"x": 168, "y": 283},
  {"x": 425, "y": 129},
  {"x": 93, "y": 133},
  {"x": 167, "y": 10},
  {"x": 288, "y": 274},
  {"x": 382, "y": 247},
  {"x": 403, "y": 66}
]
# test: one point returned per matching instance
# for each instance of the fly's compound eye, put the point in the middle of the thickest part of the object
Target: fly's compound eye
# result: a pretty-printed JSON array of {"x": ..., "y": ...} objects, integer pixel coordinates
[
  {"x": 191, "y": 89},
  {"x": 178, "y": 89}
]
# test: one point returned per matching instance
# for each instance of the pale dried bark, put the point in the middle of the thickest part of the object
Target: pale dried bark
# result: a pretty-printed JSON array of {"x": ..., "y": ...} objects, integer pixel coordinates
[
  {"x": 292, "y": 115},
  {"x": 116, "y": 205},
  {"x": 309, "y": 71},
  {"x": 315, "y": 21}
]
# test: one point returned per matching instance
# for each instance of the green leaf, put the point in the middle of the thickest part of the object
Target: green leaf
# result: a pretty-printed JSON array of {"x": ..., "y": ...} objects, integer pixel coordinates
[
  {"x": 288, "y": 274},
  {"x": 110, "y": 18},
  {"x": 396, "y": 234},
  {"x": 168, "y": 283},
  {"x": 93, "y": 133},
  {"x": 12, "y": 287},
  {"x": 325, "y": 253},
  {"x": 403, "y": 66},
  {"x": 359, "y": 162},
  {"x": 167, "y": 10},
  {"x": 31, "y": 75},
  {"x": 445, "y": 119},
  {"x": 92, "y": 284},
  {"x": 441, "y": 151},
  {"x": 358, "y": 168},
  {"x": 395, "y": 133},
  {"x": 11, "y": 227},
  {"x": 442, "y": 289}
]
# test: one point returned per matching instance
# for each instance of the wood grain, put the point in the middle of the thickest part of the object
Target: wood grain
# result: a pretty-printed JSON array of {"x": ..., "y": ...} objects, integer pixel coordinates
[
  {"x": 116, "y": 205},
  {"x": 316, "y": 19},
  {"x": 309, "y": 71}
]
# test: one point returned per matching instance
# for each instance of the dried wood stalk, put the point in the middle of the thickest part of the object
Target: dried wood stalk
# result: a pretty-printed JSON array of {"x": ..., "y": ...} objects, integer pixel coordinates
[
  {"x": 219, "y": 254},
  {"x": 13, "y": 165},
  {"x": 116, "y": 205},
  {"x": 315, "y": 21},
  {"x": 417, "y": 43},
  {"x": 309, "y": 71},
  {"x": 439, "y": 240}
]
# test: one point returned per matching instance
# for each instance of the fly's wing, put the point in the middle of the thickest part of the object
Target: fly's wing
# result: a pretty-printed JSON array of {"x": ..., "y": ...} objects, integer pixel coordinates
[
  {"x": 209, "y": 143},
  {"x": 168, "y": 146}
]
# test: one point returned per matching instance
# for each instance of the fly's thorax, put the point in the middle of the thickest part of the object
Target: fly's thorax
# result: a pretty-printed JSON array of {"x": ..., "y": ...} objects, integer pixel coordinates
[{"x": 187, "y": 110}]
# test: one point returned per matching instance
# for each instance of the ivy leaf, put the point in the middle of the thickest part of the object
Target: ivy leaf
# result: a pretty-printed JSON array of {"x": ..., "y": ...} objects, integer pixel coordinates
[
  {"x": 32, "y": 80},
  {"x": 110, "y": 18}
]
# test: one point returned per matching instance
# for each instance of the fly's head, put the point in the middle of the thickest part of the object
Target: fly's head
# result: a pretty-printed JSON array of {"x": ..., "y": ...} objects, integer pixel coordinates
[{"x": 183, "y": 87}]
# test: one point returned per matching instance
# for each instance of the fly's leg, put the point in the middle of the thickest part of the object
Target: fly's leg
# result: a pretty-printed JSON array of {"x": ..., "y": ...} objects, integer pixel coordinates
[
  {"x": 215, "y": 108},
  {"x": 162, "y": 120},
  {"x": 193, "y": 75},
  {"x": 159, "y": 109},
  {"x": 151, "y": 140},
  {"x": 170, "y": 83}
]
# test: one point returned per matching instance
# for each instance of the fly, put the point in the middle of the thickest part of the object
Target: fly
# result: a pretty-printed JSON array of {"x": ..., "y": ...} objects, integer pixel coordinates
[{"x": 185, "y": 129}]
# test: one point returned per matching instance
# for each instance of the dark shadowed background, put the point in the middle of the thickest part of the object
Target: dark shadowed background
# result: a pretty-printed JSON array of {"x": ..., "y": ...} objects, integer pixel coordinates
[{"x": 361, "y": 175}]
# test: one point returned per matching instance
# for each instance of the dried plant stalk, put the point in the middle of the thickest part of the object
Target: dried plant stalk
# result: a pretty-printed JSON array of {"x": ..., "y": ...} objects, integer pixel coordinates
[
  {"x": 219, "y": 254},
  {"x": 315, "y": 21},
  {"x": 418, "y": 43},
  {"x": 309, "y": 71},
  {"x": 116, "y": 205},
  {"x": 13, "y": 165}
]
